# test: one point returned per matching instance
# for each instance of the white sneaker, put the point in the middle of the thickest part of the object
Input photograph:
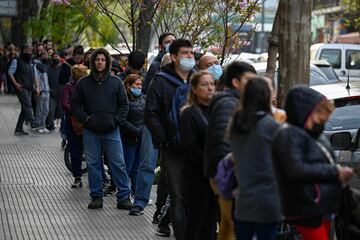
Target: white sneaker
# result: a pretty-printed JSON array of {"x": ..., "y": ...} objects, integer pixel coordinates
[
  {"x": 151, "y": 202},
  {"x": 41, "y": 130},
  {"x": 46, "y": 130}
]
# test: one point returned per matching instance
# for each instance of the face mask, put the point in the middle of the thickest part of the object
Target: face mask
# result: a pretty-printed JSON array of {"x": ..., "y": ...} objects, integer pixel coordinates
[
  {"x": 55, "y": 61},
  {"x": 26, "y": 57},
  {"x": 167, "y": 47},
  {"x": 135, "y": 91},
  {"x": 216, "y": 71},
  {"x": 187, "y": 64},
  {"x": 316, "y": 130}
]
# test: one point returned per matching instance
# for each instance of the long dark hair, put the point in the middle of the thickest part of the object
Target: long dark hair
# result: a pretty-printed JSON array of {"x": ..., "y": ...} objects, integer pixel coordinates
[{"x": 256, "y": 98}]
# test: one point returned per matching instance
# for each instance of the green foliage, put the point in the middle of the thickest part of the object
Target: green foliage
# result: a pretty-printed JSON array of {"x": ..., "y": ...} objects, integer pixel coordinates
[
  {"x": 351, "y": 14},
  {"x": 66, "y": 24}
]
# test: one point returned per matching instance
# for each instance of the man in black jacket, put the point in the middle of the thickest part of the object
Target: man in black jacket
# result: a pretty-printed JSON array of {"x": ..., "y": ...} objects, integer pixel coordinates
[
  {"x": 100, "y": 103},
  {"x": 216, "y": 147},
  {"x": 158, "y": 105},
  {"x": 65, "y": 71},
  {"x": 165, "y": 41}
]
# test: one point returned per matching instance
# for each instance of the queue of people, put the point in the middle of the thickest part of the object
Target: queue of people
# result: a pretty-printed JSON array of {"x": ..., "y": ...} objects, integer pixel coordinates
[{"x": 232, "y": 165}]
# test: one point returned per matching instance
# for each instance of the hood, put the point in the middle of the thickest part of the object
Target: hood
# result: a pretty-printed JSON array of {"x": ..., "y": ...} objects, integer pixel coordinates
[
  {"x": 228, "y": 92},
  {"x": 300, "y": 102},
  {"x": 94, "y": 73},
  {"x": 170, "y": 68}
]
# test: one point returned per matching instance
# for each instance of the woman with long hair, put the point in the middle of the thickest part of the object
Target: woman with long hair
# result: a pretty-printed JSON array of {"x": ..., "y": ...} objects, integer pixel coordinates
[
  {"x": 201, "y": 222},
  {"x": 131, "y": 131},
  {"x": 251, "y": 132}
]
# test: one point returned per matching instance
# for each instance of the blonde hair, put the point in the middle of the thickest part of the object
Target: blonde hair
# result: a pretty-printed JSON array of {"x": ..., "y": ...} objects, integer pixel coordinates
[
  {"x": 194, "y": 82},
  {"x": 78, "y": 71}
]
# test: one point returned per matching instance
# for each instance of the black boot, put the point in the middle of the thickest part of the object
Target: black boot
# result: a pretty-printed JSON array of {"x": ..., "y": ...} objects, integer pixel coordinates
[
  {"x": 77, "y": 183},
  {"x": 96, "y": 203}
]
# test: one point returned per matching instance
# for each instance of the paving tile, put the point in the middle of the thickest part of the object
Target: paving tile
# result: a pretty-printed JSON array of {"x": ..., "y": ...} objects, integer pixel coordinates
[{"x": 36, "y": 201}]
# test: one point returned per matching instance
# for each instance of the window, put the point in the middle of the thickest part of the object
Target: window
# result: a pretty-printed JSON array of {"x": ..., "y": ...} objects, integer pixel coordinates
[
  {"x": 317, "y": 79},
  {"x": 353, "y": 59},
  {"x": 332, "y": 56}
]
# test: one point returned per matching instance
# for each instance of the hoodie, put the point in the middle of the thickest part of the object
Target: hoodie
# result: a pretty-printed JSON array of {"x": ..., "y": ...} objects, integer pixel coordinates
[{"x": 100, "y": 101}]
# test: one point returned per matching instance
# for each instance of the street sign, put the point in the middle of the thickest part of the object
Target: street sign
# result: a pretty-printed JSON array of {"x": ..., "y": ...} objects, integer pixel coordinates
[{"x": 8, "y": 8}]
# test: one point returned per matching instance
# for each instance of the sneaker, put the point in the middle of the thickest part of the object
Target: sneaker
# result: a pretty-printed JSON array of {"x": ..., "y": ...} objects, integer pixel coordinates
[
  {"x": 136, "y": 211},
  {"x": 125, "y": 204},
  {"x": 46, "y": 130},
  {"x": 20, "y": 133},
  {"x": 41, "y": 131},
  {"x": 96, "y": 203},
  {"x": 155, "y": 219},
  {"x": 77, "y": 183},
  {"x": 110, "y": 190},
  {"x": 163, "y": 231},
  {"x": 150, "y": 203},
  {"x": 63, "y": 143}
]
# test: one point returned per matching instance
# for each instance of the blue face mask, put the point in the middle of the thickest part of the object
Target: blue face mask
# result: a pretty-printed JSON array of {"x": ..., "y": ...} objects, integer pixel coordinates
[
  {"x": 216, "y": 71},
  {"x": 135, "y": 91},
  {"x": 187, "y": 64}
]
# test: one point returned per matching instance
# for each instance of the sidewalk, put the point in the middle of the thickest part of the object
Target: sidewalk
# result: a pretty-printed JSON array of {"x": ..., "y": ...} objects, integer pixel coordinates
[{"x": 36, "y": 201}]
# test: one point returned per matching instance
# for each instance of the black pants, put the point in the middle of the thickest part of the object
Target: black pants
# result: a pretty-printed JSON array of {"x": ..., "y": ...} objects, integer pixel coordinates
[
  {"x": 53, "y": 107},
  {"x": 173, "y": 162},
  {"x": 202, "y": 214},
  {"x": 27, "y": 113},
  {"x": 161, "y": 191}
]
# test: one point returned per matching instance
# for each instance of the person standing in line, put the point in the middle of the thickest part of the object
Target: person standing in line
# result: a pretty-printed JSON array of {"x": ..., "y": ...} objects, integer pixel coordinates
[
  {"x": 53, "y": 76},
  {"x": 202, "y": 214},
  {"x": 100, "y": 103},
  {"x": 131, "y": 131},
  {"x": 136, "y": 61},
  {"x": 216, "y": 146},
  {"x": 22, "y": 75},
  {"x": 73, "y": 127},
  {"x": 308, "y": 178},
  {"x": 251, "y": 133},
  {"x": 159, "y": 101}
]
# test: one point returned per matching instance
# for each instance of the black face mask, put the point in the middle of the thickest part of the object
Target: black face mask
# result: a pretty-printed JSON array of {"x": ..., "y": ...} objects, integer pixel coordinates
[
  {"x": 316, "y": 130},
  {"x": 55, "y": 61},
  {"x": 26, "y": 57}
]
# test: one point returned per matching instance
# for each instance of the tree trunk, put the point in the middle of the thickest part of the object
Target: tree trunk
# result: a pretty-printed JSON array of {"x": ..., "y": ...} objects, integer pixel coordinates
[
  {"x": 26, "y": 9},
  {"x": 294, "y": 44},
  {"x": 273, "y": 46},
  {"x": 144, "y": 28}
]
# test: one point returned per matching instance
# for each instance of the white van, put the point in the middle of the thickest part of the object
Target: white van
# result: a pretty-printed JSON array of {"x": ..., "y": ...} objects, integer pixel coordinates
[{"x": 345, "y": 58}]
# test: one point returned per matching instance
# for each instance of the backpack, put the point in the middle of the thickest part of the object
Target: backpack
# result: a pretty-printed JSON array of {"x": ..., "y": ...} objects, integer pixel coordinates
[
  {"x": 225, "y": 177},
  {"x": 178, "y": 101}
]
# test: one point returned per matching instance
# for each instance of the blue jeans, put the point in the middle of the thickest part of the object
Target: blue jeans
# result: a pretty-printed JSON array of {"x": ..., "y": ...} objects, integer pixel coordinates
[
  {"x": 132, "y": 161},
  {"x": 145, "y": 178},
  {"x": 113, "y": 147},
  {"x": 42, "y": 109},
  {"x": 263, "y": 231}
]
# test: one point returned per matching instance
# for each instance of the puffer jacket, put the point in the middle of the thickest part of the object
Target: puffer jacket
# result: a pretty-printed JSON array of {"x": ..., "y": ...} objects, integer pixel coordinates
[
  {"x": 158, "y": 104},
  {"x": 100, "y": 101},
  {"x": 308, "y": 184},
  {"x": 217, "y": 147},
  {"x": 131, "y": 130}
]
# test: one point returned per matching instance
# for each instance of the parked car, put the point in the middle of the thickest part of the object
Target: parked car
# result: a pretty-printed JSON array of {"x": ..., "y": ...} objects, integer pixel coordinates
[
  {"x": 317, "y": 77},
  {"x": 345, "y": 58},
  {"x": 327, "y": 69},
  {"x": 346, "y": 116}
]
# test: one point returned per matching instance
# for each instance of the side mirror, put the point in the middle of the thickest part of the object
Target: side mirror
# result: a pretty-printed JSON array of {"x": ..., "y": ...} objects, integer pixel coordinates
[{"x": 341, "y": 141}]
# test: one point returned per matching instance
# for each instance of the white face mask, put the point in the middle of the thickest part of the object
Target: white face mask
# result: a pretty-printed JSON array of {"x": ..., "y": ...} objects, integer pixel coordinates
[
  {"x": 187, "y": 64},
  {"x": 167, "y": 47}
]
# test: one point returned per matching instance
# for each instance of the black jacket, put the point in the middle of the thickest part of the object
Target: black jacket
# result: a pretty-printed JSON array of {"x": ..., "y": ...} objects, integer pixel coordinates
[
  {"x": 258, "y": 198},
  {"x": 308, "y": 184},
  {"x": 193, "y": 125},
  {"x": 221, "y": 108},
  {"x": 53, "y": 77},
  {"x": 131, "y": 130},
  {"x": 153, "y": 70},
  {"x": 65, "y": 71},
  {"x": 99, "y": 102},
  {"x": 157, "y": 108}
]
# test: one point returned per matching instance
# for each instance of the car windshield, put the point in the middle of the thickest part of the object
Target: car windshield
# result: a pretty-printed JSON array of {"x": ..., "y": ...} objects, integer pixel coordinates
[
  {"x": 346, "y": 114},
  {"x": 330, "y": 73}
]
